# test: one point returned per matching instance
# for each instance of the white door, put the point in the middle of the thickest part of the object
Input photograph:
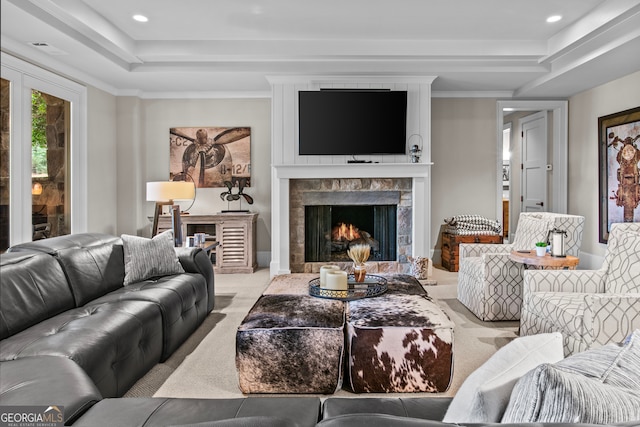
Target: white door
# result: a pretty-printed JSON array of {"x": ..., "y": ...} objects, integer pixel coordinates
[{"x": 534, "y": 162}]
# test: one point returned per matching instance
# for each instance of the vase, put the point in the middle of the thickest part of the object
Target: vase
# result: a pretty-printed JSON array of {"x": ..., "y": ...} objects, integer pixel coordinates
[
  {"x": 541, "y": 250},
  {"x": 359, "y": 272}
]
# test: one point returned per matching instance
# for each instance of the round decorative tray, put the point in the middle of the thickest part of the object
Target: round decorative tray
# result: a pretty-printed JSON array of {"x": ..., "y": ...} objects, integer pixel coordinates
[{"x": 371, "y": 287}]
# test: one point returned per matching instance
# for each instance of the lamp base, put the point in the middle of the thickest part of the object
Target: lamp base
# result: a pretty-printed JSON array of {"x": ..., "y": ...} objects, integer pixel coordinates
[
  {"x": 156, "y": 215},
  {"x": 176, "y": 224}
]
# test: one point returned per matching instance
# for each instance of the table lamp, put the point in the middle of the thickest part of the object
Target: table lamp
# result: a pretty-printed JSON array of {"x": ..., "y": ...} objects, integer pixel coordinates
[{"x": 164, "y": 193}]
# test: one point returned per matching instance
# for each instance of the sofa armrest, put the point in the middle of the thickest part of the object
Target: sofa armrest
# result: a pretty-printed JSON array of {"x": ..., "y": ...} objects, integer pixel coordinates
[
  {"x": 477, "y": 249},
  {"x": 612, "y": 317},
  {"x": 45, "y": 381},
  {"x": 195, "y": 260},
  {"x": 575, "y": 281}
]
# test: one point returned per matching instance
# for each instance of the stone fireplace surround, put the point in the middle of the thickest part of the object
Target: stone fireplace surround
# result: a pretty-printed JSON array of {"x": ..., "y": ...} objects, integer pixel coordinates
[
  {"x": 303, "y": 192},
  {"x": 287, "y": 234}
]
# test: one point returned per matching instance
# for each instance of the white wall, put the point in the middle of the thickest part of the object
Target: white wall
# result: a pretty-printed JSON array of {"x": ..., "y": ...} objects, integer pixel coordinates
[
  {"x": 143, "y": 155},
  {"x": 463, "y": 151},
  {"x": 101, "y": 162},
  {"x": 130, "y": 169},
  {"x": 584, "y": 110}
]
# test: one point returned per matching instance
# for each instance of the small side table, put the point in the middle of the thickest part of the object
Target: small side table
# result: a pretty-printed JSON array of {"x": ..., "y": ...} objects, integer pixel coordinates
[
  {"x": 209, "y": 246},
  {"x": 546, "y": 262}
]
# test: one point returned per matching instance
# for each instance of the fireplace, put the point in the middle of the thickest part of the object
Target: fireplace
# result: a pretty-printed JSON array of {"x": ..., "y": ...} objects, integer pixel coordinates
[
  {"x": 376, "y": 211},
  {"x": 331, "y": 229}
]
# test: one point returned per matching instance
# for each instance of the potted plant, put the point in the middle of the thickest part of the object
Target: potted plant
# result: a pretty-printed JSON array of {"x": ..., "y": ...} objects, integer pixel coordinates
[{"x": 541, "y": 248}]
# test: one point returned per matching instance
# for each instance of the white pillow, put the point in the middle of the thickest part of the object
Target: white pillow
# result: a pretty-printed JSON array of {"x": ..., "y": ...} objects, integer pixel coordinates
[{"x": 484, "y": 395}]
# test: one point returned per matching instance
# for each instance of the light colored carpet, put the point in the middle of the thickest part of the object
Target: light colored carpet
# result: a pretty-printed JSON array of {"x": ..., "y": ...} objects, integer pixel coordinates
[{"x": 204, "y": 366}]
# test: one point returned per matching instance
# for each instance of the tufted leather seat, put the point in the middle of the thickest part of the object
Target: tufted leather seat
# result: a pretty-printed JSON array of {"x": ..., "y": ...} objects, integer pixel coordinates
[{"x": 115, "y": 343}]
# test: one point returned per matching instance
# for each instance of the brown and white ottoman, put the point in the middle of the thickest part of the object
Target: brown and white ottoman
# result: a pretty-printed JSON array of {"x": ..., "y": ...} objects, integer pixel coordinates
[
  {"x": 399, "y": 342},
  {"x": 291, "y": 344}
]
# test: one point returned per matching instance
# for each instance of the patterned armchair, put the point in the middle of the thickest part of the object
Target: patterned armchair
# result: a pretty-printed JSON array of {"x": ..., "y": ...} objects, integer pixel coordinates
[
  {"x": 589, "y": 307},
  {"x": 490, "y": 284}
]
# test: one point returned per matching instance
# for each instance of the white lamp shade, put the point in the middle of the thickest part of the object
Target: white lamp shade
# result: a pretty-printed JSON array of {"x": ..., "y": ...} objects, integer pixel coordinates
[{"x": 163, "y": 191}]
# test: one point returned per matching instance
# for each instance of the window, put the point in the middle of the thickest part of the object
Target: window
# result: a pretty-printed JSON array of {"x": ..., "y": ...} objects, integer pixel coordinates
[{"x": 43, "y": 153}]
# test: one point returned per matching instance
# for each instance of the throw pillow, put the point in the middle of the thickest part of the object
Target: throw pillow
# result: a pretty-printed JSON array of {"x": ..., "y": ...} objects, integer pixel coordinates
[
  {"x": 550, "y": 394},
  {"x": 588, "y": 387},
  {"x": 624, "y": 267},
  {"x": 146, "y": 258},
  {"x": 484, "y": 395},
  {"x": 531, "y": 230},
  {"x": 613, "y": 364}
]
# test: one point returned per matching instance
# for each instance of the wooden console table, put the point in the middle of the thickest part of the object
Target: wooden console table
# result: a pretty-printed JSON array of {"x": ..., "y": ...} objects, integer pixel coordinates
[
  {"x": 546, "y": 262},
  {"x": 234, "y": 233}
]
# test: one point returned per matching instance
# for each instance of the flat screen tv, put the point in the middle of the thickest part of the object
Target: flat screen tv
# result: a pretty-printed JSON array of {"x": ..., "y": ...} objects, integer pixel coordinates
[{"x": 352, "y": 122}]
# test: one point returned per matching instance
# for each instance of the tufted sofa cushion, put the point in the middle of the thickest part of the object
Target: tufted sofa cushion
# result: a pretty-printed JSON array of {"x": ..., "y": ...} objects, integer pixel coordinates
[
  {"x": 182, "y": 300},
  {"x": 98, "y": 265},
  {"x": 115, "y": 343},
  {"x": 92, "y": 262},
  {"x": 32, "y": 283},
  {"x": 148, "y": 412}
]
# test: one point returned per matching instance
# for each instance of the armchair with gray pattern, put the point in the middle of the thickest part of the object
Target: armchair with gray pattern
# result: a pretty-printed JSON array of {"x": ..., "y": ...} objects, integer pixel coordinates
[
  {"x": 589, "y": 307},
  {"x": 490, "y": 284}
]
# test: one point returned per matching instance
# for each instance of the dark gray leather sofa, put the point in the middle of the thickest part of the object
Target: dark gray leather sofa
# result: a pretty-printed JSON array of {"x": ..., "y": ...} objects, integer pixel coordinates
[
  {"x": 53, "y": 380},
  {"x": 409, "y": 412},
  {"x": 64, "y": 296}
]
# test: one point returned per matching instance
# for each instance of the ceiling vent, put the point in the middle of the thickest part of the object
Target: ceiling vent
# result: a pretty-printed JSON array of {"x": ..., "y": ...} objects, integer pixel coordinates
[{"x": 47, "y": 48}]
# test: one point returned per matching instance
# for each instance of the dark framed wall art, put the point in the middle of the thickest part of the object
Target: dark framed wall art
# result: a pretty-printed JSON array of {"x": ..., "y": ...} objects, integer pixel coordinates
[
  {"x": 619, "y": 156},
  {"x": 210, "y": 156}
]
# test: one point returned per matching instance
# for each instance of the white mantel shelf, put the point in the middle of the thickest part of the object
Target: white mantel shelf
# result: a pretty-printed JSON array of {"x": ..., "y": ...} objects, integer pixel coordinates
[{"x": 352, "y": 170}]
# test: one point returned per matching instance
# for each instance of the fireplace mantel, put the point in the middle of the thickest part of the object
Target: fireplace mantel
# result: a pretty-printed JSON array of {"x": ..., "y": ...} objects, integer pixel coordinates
[{"x": 352, "y": 170}]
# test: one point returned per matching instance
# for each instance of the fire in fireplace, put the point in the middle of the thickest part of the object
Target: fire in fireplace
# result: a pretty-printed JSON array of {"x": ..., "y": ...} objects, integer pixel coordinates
[
  {"x": 344, "y": 235},
  {"x": 331, "y": 229}
]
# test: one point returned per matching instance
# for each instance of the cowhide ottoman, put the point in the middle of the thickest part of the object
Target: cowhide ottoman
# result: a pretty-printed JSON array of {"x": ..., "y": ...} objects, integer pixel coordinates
[
  {"x": 291, "y": 344},
  {"x": 401, "y": 341}
]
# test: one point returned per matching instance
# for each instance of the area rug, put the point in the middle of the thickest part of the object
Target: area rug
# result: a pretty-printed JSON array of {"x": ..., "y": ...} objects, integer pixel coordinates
[{"x": 204, "y": 366}]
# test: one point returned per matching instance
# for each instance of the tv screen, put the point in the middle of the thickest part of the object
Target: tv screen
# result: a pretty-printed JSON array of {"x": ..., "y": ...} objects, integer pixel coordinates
[{"x": 350, "y": 122}]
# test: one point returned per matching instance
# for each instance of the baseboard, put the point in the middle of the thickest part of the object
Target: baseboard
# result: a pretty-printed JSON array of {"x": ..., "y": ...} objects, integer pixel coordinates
[{"x": 263, "y": 258}]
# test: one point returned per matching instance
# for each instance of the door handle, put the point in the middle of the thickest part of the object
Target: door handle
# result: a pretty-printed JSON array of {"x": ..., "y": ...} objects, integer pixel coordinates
[{"x": 540, "y": 204}]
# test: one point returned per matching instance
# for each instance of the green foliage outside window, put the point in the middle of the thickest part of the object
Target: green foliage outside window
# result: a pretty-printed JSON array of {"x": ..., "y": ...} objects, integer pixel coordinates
[{"x": 38, "y": 134}]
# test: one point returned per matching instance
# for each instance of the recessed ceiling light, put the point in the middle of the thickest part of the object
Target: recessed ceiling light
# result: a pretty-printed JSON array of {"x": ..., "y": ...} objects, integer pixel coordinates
[
  {"x": 140, "y": 18},
  {"x": 554, "y": 18}
]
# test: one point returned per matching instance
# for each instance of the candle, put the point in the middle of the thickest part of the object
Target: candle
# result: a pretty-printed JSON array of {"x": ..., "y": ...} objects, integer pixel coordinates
[
  {"x": 337, "y": 280},
  {"x": 323, "y": 273}
]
